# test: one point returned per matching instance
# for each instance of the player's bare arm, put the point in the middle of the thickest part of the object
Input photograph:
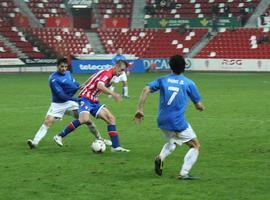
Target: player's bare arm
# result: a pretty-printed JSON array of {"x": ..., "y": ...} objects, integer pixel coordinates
[
  {"x": 199, "y": 106},
  {"x": 101, "y": 86},
  {"x": 139, "y": 113}
]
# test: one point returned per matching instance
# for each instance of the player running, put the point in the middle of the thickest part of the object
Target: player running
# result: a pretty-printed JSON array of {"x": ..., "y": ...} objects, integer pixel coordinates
[
  {"x": 63, "y": 86},
  {"x": 89, "y": 103},
  {"x": 123, "y": 77},
  {"x": 175, "y": 92}
]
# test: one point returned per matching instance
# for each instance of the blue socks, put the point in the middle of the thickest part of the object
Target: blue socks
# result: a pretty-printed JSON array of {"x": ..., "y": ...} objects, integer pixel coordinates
[
  {"x": 113, "y": 135},
  {"x": 72, "y": 126}
]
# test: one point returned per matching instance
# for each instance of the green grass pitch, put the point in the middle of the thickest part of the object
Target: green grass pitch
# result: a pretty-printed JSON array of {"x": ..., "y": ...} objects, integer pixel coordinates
[{"x": 234, "y": 132}]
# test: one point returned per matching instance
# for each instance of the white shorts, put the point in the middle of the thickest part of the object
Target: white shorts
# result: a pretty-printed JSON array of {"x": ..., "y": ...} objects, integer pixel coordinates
[
  {"x": 121, "y": 78},
  {"x": 180, "y": 137},
  {"x": 58, "y": 110}
]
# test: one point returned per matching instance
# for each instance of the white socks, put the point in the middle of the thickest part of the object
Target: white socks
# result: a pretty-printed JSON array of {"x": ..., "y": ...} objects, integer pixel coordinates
[
  {"x": 125, "y": 91},
  {"x": 189, "y": 161},
  {"x": 111, "y": 88},
  {"x": 40, "y": 134},
  {"x": 167, "y": 149}
]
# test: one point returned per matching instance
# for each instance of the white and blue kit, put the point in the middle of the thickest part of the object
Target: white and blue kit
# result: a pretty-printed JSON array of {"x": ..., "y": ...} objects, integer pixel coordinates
[
  {"x": 63, "y": 87},
  {"x": 175, "y": 92},
  {"x": 118, "y": 57}
]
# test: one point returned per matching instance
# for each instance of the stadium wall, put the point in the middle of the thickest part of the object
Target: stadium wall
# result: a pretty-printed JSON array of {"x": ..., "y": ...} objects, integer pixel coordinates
[
  {"x": 138, "y": 65},
  {"x": 194, "y": 64}
]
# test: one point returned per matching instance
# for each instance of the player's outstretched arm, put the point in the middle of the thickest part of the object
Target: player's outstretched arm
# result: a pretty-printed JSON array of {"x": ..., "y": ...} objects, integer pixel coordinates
[
  {"x": 199, "y": 106},
  {"x": 101, "y": 86},
  {"x": 138, "y": 117}
]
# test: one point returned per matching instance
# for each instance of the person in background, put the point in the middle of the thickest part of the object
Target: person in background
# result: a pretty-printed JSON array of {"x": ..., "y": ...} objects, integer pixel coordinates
[{"x": 123, "y": 77}]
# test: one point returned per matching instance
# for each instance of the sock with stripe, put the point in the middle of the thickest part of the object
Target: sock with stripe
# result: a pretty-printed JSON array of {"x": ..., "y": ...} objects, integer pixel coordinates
[
  {"x": 113, "y": 135},
  {"x": 69, "y": 128}
]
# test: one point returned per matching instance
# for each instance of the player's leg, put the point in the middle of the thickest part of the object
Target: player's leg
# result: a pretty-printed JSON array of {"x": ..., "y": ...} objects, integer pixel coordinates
[
  {"x": 93, "y": 129},
  {"x": 112, "y": 89},
  {"x": 84, "y": 117},
  {"x": 114, "y": 80},
  {"x": 55, "y": 112},
  {"x": 191, "y": 156},
  {"x": 91, "y": 126},
  {"x": 123, "y": 79},
  {"x": 166, "y": 150},
  {"x": 108, "y": 117},
  {"x": 40, "y": 134},
  {"x": 170, "y": 146},
  {"x": 125, "y": 90}
]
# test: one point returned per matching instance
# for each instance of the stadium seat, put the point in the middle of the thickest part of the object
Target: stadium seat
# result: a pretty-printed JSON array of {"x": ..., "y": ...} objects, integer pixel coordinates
[
  {"x": 240, "y": 43},
  {"x": 149, "y": 42}
]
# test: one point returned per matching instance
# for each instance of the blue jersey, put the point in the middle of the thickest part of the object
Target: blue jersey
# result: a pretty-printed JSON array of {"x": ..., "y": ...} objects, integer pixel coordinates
[
  {"x": 175, "y": 92},
  {"x": 118, "y": 57},
  {"x": 63, "y": 87}
]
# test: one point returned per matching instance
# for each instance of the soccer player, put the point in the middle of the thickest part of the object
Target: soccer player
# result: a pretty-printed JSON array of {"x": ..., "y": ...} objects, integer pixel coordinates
[
  {"x": 175, "y": 91},
  {"x": 63, "y": 86},
  {"x": 89, "y": 103},
  {"x": 123, "y": 77}
]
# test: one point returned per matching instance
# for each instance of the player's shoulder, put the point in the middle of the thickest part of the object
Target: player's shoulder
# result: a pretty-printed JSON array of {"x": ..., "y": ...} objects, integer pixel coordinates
[
  {"x": 67, "y": 72},
  {"x": 188, "y": 80},
  {"x": 52, "y": 76}
]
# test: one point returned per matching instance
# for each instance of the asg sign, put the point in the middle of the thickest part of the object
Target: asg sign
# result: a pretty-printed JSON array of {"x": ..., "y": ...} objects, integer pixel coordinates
[{"x": 231, "y": 62}]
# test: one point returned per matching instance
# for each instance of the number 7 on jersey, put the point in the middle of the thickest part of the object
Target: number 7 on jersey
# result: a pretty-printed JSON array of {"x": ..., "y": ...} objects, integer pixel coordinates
[{"x": 175, "y": 92}]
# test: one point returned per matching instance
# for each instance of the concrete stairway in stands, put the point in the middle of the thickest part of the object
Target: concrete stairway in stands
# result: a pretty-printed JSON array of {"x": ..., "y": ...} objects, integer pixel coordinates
[
  {"x": 138, "y": 14},
  {"x": 12, "y": 46},
  {"x": 95, "y": 42}
]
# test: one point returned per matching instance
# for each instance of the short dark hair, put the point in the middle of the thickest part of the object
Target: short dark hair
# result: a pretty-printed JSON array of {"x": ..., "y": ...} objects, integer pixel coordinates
[
  {"x": 119, "y": 62},
  {"x": 177, "y": 64},
  {"x": 61, "y": 60}
]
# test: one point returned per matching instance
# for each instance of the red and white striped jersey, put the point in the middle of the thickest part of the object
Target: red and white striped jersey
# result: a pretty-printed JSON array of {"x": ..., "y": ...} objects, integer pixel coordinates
[{"x": 90, "y": 90}]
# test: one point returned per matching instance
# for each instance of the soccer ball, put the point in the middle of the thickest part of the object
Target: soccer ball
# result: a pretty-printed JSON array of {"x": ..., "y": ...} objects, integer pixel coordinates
[{"x": 98, "y": 146}]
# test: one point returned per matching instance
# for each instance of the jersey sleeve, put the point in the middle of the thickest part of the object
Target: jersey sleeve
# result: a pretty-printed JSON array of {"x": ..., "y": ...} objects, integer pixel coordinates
[
  {"x": 193, "y": 93},
  {"x": 58, "y": 91},
  {"x": 73, "y": 79},
  {"x": 154, "y": 85}
]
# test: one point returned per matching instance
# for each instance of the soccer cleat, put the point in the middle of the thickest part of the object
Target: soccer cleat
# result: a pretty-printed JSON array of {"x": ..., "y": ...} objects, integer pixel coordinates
[
  {"x": 58, "y": 140},
  {"x": 31, "y": 144},
  {"x": 119, "y": 149},
  {"x": 107, "y": 142},
  {"x": 187, "y": 177},
  {"x": 158, "y": 166}
]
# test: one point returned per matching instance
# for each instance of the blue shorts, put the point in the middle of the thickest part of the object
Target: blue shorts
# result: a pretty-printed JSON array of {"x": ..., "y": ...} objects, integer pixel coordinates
[{"x": 87, "y": 106}]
